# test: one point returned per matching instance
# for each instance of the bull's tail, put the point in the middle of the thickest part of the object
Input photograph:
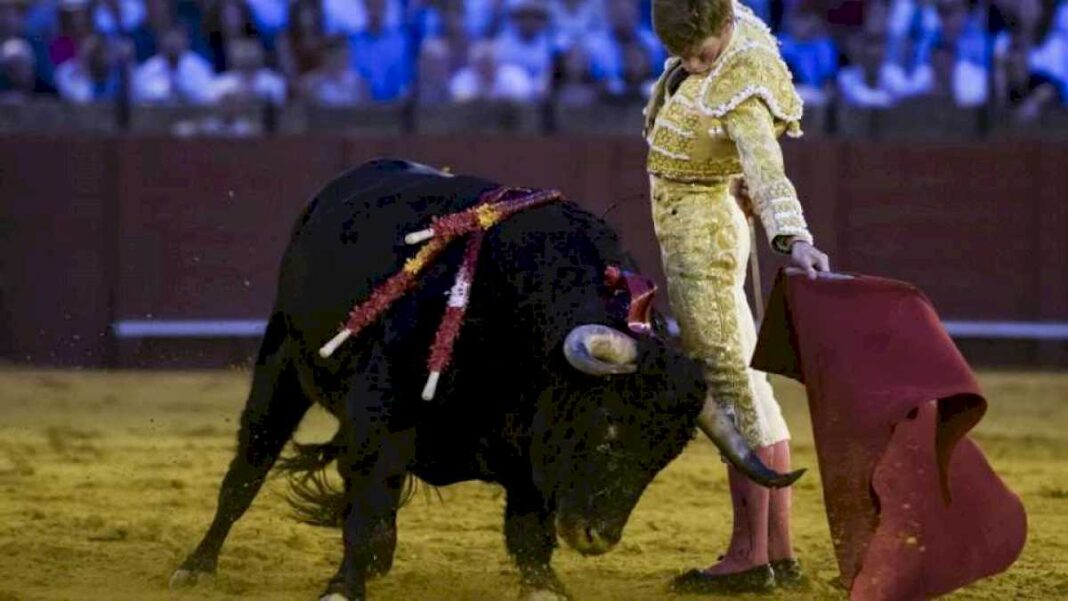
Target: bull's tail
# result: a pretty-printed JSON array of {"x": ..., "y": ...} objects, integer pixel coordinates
[{"x": 314, "y": 498}]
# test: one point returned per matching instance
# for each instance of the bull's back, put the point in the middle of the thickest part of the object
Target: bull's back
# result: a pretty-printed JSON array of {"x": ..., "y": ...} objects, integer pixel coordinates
[{"x": 351, "y": 236}]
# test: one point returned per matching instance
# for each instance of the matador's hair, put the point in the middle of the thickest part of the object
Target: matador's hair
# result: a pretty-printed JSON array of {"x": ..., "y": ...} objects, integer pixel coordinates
[{"x": 683, "y": 24}]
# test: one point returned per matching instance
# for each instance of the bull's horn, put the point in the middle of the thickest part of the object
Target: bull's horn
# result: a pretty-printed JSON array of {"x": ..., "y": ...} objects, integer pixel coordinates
[
  {"x": 720, "y": 428},
  {"x": 600, "y": 350}
]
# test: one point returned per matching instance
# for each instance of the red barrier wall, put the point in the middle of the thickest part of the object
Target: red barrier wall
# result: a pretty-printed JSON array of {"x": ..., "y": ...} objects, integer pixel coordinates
[{"x": 97, "y": 230}]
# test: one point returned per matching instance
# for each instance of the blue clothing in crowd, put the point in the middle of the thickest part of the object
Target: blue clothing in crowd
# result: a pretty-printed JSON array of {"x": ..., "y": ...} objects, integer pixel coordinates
[
  {"x": 813, "y": 62},
  {"x": 383, "y": 59}
]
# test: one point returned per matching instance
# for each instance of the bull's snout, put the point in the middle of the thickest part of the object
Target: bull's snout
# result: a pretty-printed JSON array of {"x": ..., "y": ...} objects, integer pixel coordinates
[{"x": 587, "y": 539}]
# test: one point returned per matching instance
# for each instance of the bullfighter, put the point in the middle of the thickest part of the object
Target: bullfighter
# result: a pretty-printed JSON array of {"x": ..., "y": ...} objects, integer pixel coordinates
[{"x": 712, "y": 126}]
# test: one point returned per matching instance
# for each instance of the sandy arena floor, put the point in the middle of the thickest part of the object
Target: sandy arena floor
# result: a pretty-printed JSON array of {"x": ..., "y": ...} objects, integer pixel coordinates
[{"x": 108, "y": 479}]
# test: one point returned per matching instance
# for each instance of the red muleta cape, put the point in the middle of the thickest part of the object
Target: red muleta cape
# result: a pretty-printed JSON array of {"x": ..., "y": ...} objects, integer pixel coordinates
[{"x": 915, "y": 510}]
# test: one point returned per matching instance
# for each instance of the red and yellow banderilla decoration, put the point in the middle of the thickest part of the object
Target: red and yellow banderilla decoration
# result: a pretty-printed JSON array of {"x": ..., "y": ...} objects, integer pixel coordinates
[{"x": 490, "y": 210}]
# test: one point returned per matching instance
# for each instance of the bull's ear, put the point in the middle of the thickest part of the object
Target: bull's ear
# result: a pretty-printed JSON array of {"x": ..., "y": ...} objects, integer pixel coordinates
[{"x": 601, "y": 351}]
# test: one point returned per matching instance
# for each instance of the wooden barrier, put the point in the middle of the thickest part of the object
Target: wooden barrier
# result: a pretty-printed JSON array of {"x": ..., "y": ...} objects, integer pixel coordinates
[{"x": 98, "y": 230}]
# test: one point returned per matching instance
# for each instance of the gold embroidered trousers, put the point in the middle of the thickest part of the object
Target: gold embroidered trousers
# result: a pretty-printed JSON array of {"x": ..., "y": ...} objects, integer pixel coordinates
[{"x": 705, "y": 245}]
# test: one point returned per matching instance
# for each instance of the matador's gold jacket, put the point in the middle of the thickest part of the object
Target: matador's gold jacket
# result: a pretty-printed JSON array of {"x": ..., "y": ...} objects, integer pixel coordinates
[{"x": 724, "y": 124}]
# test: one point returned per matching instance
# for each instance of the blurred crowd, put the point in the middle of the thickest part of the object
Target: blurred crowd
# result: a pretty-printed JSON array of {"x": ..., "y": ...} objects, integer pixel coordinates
[{"x": 875, "y": 53}]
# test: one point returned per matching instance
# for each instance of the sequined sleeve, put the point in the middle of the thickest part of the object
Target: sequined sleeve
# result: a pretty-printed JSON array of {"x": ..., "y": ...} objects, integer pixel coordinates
[{"x": 751, "y": 127}]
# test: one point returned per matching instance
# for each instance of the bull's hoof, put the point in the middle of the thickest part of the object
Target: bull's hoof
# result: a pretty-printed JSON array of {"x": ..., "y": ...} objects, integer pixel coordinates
[
  {"x": 543, "y": 594},
  {"x": 334, "y": 597},
  {"x": 185, "y": 579}
]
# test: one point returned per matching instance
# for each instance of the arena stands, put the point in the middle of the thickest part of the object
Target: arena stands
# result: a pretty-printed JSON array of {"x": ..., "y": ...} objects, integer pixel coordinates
[{"x": 881, "y": 68}]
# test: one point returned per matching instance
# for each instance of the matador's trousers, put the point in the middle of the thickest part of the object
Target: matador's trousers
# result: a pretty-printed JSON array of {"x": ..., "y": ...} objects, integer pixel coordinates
[{"x": 705, "y": 245}]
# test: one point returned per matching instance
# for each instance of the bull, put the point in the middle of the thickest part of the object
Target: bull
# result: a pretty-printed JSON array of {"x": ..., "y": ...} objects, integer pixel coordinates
[{"x": 546, "y": 397}]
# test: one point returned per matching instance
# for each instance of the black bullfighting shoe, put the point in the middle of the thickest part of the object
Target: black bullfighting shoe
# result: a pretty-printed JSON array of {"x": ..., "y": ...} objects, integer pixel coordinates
[
  {"x": 760, "y": 579},
  {"x": 788, "y": 573}
]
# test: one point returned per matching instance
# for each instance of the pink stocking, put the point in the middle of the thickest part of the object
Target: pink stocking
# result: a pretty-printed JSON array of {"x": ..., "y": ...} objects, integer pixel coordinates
[
  {"x": 779, "y": 543},
  {"x": 749, "y": 540}
]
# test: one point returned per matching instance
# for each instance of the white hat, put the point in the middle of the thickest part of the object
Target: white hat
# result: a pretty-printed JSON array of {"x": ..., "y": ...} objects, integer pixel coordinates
[{"x": 16, "y": 48}]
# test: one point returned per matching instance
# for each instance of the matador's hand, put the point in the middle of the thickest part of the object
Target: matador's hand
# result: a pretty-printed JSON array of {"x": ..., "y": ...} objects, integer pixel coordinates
[{"x": 809, "y": 258}]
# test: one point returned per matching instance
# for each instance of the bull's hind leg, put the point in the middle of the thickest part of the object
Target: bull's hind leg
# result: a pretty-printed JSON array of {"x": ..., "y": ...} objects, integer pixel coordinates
[
  {"x": 275, "y": 407},
  {"x": 370, "y": 525},
  {"x": 530, "y": 535},
  {"x": 374, "y": 466}
]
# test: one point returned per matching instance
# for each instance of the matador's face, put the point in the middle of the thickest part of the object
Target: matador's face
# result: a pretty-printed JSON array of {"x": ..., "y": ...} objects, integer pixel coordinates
[{"x": 699, "y": 59}]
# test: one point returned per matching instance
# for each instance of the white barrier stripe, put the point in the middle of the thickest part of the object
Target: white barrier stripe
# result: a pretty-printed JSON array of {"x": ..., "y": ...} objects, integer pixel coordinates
[
  {"x": 1026, "y": 330},
  {"x": 238, "y": 328},
  {"x": 189, "y": 328}
]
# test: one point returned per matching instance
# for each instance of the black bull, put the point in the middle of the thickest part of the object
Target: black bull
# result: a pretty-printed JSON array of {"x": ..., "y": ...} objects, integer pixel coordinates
[{"x": 574, "y": 422}]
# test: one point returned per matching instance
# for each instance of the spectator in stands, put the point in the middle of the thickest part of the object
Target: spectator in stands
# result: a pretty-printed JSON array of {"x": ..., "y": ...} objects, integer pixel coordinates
[
  {"x": 905, "y": 82},
  {"x": 381, "y": 55},
  {"x": 912, "y": 30},
  {"x": 349, "y": 17},
  {"x": 526, "y": 41},
  {"x": 862, "y": 84},
  {"x": 1017, "y": 22},
  {"x": 811, "y": 54},
  {"x": 98, "y": 72},
  {"x": 42, "y": 18},
  {"x": 248, "y": 79},
  {"x": 1019, "y": 88},
  {"x": 302, "y": 48},
  {"x": 75, "y": 25},
  {"x": 11, "y": 19},
  {"x": 455, "y": 35},
  {"x": 1031, "y": 17},
  {"x": 335, "y": 83},
  {"x": 961, "y": 82},
  {"x": 18, "y": 77},
  {"x": 964, "y": 23},
  {"x": 434, "y": 73},
  {"x": 487, "y": 78},
  {"x": 574, "y": 20},
  {"x": 191, "y": 13},
  {"x": 958, "y": 62},
  {"x": 226, "y": 22},
  {"x": 1051, "y": 55},
  {"x": 876, "y": 18},
  {"x": 271, "y": 16},
  {"x": 425, "y": 19},
  {"x": 176, "y": 75},
  {"x": 13, "y": 26},
  {"x": 484, "y": 18},
  {"x": 118, "y": 17},
  {"x": 624, "y": 39},
  {"x": 37, "y": 23},
  {"x": 574, "y": 84},
  {"x": 159, "y": 17}
]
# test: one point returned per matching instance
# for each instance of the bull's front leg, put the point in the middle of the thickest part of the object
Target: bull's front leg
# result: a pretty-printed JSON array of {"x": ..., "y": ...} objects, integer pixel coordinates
[{"x": 530, "y": 535}]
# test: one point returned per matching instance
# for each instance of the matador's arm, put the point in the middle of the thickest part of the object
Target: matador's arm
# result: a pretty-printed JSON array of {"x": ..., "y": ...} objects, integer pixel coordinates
[{"x": 751, "y": 126}]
